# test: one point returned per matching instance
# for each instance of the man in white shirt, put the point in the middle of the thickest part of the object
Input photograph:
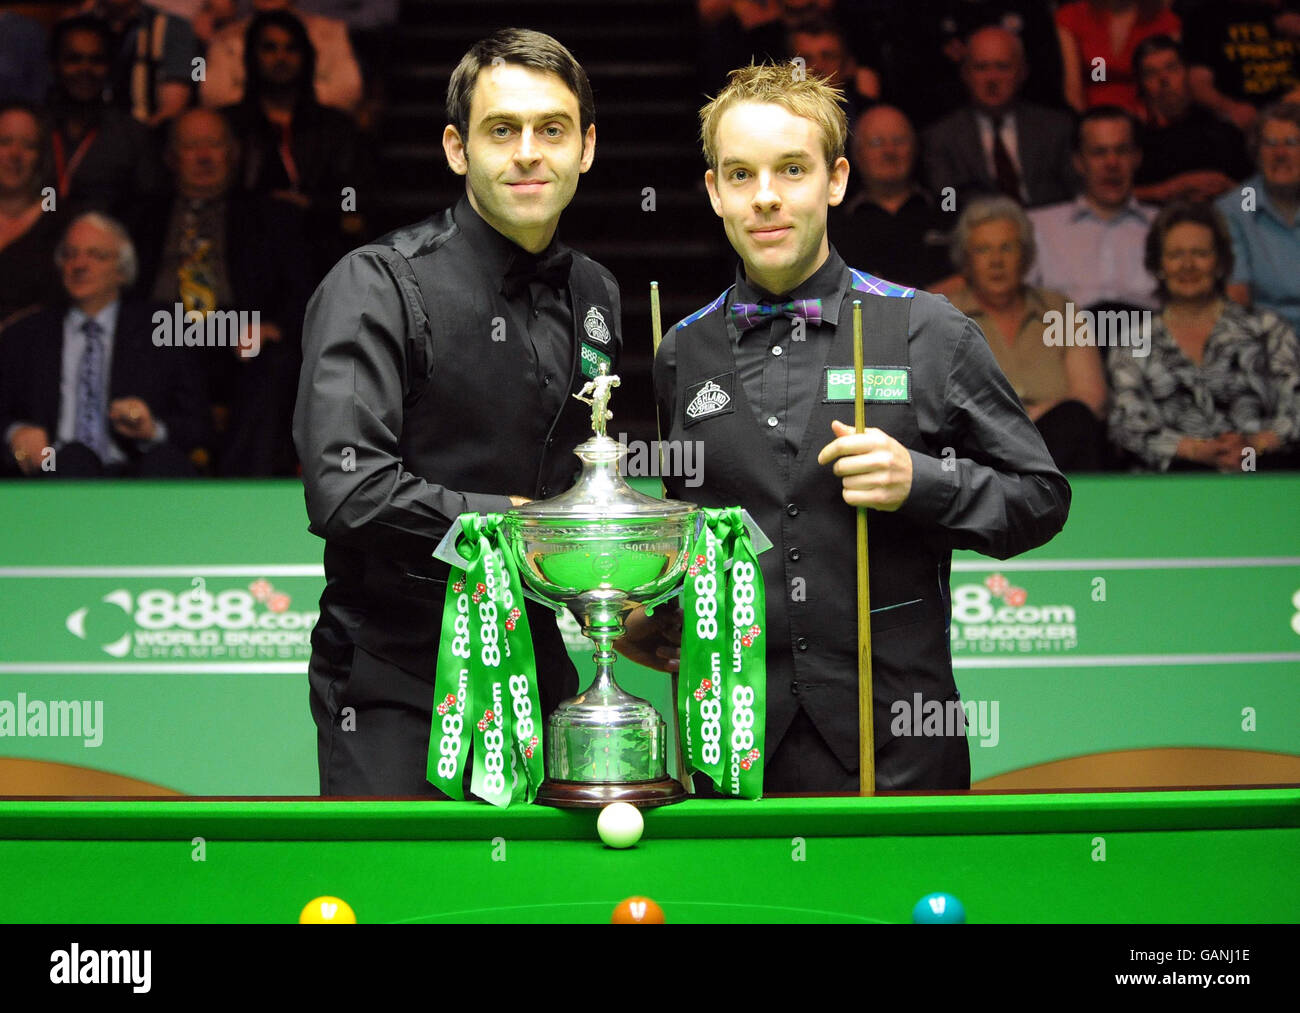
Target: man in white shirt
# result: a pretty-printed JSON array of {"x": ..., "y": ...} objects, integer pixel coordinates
[
  {"x": 1091, "y": 248},
  {"x": 86, "y": 390}
]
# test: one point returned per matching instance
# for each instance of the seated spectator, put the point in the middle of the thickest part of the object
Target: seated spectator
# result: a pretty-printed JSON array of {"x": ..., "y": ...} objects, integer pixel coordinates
[
  {"x": 103, "y": 159},
  {"x": 1219, "y": 380},
  {"x": 293, "y": 147},
  {"x": 84, "y": 392},
  {"x": 997, "y": 142},
  {"x": 890, "y": 227},
  {"x": 211, "y": 248},
  {"x": 1090, "y": 248},
  {"x": 924, "y": 43},
  {"x": 1243, "y": 55},
  {"x": 826, "y": 54},
  {"x": 24, "y": 70},
  {"x": 28, "y": 233},
  {"x": 1098, "y": 39},
  {"x": 152, "y": 74},
  {"x": 735, "y": 32},
  {"x": 1063, "y": 388},
  {"x": 1264, "y": 218},
  {"x": 210, "y": 18},
  {"x": 1188, "y": 153},
  {"x": 336, "y": 75}
]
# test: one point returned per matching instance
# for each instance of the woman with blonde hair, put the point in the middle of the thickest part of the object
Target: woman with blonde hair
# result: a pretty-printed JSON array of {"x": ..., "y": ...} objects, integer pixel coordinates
[{"x": 1062, "y": 388}]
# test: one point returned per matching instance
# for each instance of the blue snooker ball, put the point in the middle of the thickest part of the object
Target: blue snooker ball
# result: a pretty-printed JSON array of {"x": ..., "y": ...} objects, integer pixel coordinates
[{"x": 938, "y": 909}]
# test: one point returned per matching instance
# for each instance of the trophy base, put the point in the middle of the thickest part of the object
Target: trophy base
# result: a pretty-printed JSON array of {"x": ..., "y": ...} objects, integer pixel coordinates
[{"x": 597, "y": 795}]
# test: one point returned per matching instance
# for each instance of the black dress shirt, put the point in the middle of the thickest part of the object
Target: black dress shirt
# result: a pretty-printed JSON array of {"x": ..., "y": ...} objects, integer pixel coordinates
[
  {"x": 989, "y": 479},
  {"x": 540, "y": 309},
  {"x": 778, "y": 370},
  {"x": 908, "y": 246}
]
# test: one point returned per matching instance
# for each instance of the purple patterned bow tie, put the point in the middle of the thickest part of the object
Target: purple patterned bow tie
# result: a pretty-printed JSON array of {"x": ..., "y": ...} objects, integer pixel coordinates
[{"x": 750, "y": 314}]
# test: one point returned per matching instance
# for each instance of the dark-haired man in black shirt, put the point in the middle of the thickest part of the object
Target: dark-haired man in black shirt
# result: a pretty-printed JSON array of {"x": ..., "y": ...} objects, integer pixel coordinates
[
  {"x": 437, "y": 368},
  {"x": 1188, "y": 153}
]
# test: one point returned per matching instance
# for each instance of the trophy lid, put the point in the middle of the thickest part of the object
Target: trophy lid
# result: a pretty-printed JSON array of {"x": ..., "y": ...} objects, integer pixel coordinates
[{"x": 601, "y": 491}]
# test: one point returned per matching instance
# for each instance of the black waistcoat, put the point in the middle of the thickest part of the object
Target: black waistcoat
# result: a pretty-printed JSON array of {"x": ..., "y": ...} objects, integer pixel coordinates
[
  {"x": 473, "y": 421},
  {"x": 810, "y": 573}
]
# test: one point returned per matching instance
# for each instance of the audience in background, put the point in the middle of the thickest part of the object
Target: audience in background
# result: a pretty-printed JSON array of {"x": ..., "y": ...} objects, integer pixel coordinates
[
  {"x": 258, "y": 235},
  {"x": 28, "y": 232},
  {"x": 1263, "y": 218},
  {"x": 103, "y": 159},
  {"x": 735, "y": 32},
  {"x": 336, "y": 75},
  {"x": 924, "y": 48},
  {"x": 292, "y": 147},
  {"x": 1098, "y": 39},
  {"x": 1188, "y": 153},
  {"x": 211, "y": 248},
  {"x": 1063, "y": 388},
  {"x": 1221, "y": 386},
  {"x": 890, "y": 227},
  {"x": 826, "y": 54},
  {"x": 152, "y": 71},
  {"x": 87, "y": 382},
  {"x": 997, "y": 142},
  {"x": 1091, "y": 248},
  {"x": 24, "y": 66},
  {"x": 210, "y": 18},
  {"x": 1244, "y": 54}
]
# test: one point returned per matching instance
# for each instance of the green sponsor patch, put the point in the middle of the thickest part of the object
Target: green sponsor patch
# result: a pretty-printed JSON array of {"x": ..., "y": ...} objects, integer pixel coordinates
[
  {"x": 879, "y": 385},
  {"x": 591, "y": 360}
]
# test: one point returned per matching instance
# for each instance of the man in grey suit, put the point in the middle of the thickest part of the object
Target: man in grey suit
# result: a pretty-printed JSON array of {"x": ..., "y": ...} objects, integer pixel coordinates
[{"x": 998, "y": 143}]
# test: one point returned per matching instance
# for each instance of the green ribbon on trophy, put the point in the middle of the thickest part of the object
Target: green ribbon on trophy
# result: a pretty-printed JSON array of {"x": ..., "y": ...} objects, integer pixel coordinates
[
  {"x": 486, "y": 675},
  {"x": 722, "y": 686}
]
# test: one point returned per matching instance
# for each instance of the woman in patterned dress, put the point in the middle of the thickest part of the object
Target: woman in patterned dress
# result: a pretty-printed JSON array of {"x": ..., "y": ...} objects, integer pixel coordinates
[{"x": 1220, "y": 387}]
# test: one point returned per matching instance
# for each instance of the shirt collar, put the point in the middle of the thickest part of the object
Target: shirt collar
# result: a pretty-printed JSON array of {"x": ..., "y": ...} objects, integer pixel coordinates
[
  {"x": 1007, "y": 114},
  {"x": 828, "y": 283},
  {"x": 1264, "y": 202},
  {"x": 106, "y": 318},
  {"x": 1082, "y": 209},
  {"x": 914, "y": 194},
  {"x": 966, "y": 301},
  {"x": 497, "y": 252}
]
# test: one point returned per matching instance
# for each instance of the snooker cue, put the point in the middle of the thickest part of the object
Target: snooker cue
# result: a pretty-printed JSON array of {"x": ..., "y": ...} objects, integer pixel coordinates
[
  {"x": 866, "y": 722},
  {"x": 656, "y": 335}
]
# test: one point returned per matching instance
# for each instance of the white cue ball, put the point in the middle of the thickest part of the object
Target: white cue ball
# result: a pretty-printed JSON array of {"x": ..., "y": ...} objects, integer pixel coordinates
[{"x": 620, "y": 825}]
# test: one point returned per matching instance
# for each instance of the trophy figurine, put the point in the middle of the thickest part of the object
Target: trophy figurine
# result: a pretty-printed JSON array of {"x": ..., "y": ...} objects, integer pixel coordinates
[{"x": 602, "y": 549}]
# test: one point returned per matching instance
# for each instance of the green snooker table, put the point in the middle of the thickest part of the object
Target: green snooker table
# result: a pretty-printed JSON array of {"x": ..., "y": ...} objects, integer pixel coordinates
[{"x": 1143, "y": 856}]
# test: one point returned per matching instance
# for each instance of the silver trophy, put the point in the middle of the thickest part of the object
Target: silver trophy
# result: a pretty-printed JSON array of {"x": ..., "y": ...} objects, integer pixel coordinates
[{"x": 602, "y": 549}]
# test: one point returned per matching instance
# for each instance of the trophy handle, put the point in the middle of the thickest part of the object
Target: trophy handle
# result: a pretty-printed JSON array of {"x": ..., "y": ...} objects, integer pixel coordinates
[
  {"x": 446, "y": 551},
  {"x": 650, "y": 606},
  {"x": 554, "y": 606}
]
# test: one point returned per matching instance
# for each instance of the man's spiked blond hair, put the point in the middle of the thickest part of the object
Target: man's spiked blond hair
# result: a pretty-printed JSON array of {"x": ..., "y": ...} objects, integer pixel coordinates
[{"x": 787, "y": 85}]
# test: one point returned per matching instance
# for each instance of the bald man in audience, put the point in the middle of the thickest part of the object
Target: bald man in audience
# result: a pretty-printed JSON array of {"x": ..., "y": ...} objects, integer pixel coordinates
[
  {"x": 891, "y": 227},
  {"x": 997, "y": 142}
]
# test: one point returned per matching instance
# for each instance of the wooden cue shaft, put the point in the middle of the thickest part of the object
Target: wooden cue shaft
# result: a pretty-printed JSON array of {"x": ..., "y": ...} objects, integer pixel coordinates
[
  {"x": 657, "y": 335},
  {"x": 866, "y": 722}
]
